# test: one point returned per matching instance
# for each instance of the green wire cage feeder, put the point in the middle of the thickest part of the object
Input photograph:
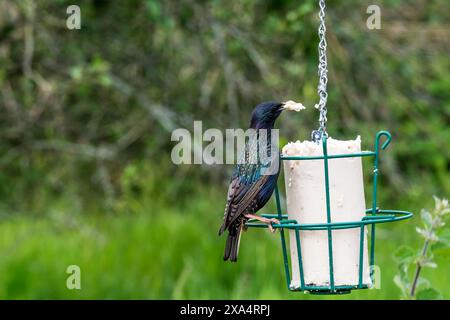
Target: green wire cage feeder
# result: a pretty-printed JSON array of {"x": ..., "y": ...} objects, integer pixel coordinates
[
  {"x": 362, "y": 278},
  {"x": 373, "y": 216}
]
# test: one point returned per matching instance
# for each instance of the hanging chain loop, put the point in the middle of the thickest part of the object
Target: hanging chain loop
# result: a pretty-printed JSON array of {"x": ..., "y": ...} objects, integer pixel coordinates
[{"x": 316, "y": 135}]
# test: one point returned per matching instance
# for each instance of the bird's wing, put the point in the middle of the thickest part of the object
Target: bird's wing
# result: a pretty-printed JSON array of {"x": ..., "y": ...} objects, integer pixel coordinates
[
  {"x": 241, "y": 196},
  {"x": 244, "y": 187}
]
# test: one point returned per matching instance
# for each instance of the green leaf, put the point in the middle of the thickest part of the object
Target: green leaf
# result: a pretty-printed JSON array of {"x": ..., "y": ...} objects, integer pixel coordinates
[
  {"x": 431, "y": 236},
  {"x": 427, "y": 263},
  {"x": 444, "y": 237},
  {"x": 401, "y": 284},
  {"x": 426, "y": 217},
  {"x": 442, "y": 247},
  {"x": 441, "y": 206},
  {"x": 428, "y": 294},
  {"x": 438, "y": 246},
  {"x": 404, "y": 254},
  {"x": 422, "y": 284},
  {"x": 441, "y": 250},
  {"x": 422, "y": 232}
]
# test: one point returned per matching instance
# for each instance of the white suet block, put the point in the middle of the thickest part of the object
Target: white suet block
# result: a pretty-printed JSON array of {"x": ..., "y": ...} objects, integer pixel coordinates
[{"x": 306, "y": 203}]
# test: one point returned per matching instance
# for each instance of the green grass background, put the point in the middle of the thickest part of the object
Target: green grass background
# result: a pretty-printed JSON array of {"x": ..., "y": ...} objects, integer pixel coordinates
[{"x": 158, "y": 251}]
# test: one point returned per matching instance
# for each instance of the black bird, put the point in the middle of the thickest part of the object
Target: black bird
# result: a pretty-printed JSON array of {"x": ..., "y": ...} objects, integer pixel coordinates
[{"x": 249, "y": 188}]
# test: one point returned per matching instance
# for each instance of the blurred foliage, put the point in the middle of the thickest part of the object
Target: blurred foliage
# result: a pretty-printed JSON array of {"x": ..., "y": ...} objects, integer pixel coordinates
[
  {"x": 86, "y": 118},
  {"x": 436, "y": 243}
]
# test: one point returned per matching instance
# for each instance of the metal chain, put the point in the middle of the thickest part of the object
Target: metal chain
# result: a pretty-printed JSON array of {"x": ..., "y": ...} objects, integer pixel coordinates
[{"x": 316, "y": 135}]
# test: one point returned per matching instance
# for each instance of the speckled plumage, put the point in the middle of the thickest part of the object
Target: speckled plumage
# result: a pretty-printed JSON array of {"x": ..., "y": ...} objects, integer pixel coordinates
[{"x": 249, "y": 188}]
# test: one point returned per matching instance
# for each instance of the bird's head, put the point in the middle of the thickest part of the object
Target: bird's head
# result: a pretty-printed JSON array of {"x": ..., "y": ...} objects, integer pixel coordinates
[{"x": 265, "y": 114}]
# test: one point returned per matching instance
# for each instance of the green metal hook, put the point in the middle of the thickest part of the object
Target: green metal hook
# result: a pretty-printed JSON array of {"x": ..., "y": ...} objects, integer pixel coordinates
[{"x": 378, "y": 138}]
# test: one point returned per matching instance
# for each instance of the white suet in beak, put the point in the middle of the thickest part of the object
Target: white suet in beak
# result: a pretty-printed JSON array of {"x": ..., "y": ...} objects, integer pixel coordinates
[{"x": 293, "y": 106}]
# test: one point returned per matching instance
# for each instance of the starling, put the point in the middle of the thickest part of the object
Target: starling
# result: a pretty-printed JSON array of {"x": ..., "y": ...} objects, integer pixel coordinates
[{"x": 250, "y": 188}]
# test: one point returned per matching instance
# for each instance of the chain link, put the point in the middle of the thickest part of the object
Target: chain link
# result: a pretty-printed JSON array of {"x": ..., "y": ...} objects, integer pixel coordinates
[{"x": 323, "y": 78}]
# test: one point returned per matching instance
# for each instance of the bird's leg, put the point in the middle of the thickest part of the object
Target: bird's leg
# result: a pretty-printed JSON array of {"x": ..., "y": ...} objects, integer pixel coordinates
[{"x": 264, "y": 220}]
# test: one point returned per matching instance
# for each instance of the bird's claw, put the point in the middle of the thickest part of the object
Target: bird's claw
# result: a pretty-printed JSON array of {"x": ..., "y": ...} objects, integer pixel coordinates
[
  {"x": 267, "y": 221},
  {"x": 272, "y": 221}
]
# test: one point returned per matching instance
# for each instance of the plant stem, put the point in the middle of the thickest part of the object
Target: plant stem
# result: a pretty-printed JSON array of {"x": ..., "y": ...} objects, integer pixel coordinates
[{"x": 419, "y": 268}]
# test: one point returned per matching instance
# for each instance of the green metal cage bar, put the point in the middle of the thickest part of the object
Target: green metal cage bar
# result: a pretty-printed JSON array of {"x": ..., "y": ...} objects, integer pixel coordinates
[{"x": 373, "y": 216}]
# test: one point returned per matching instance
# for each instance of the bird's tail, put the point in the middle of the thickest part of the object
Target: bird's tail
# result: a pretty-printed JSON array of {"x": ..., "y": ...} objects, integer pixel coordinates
[{"x": 232, "y": 245}]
